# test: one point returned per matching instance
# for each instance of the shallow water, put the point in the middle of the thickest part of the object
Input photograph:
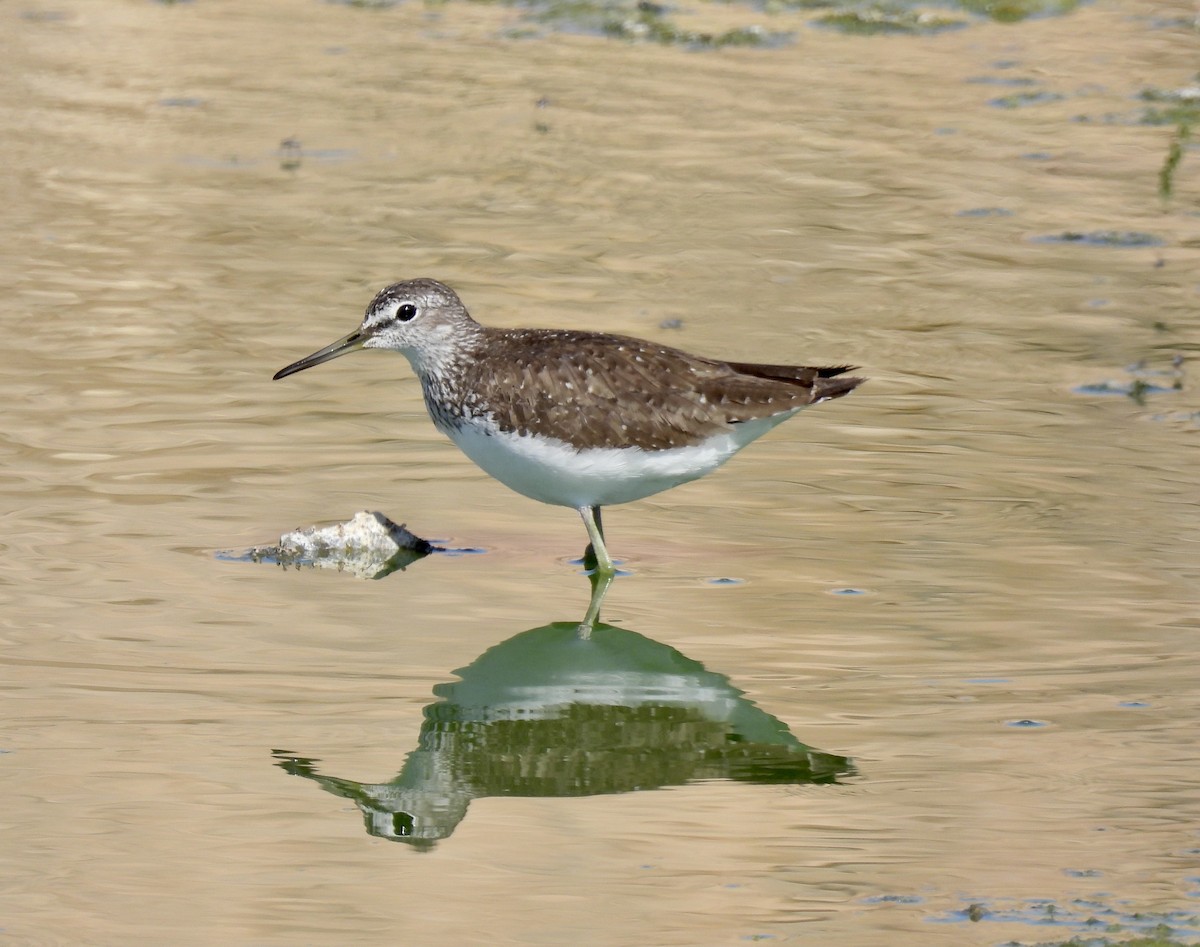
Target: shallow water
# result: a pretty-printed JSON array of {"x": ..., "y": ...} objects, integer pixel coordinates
[{"x": 965, "y": 597}]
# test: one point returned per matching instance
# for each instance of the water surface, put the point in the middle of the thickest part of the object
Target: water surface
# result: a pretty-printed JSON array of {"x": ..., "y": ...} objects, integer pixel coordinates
[{"x": 957, "y": 658}]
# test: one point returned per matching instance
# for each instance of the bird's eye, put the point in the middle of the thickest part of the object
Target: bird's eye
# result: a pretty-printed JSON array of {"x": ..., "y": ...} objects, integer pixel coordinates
[{"x": 406, "y": 313}]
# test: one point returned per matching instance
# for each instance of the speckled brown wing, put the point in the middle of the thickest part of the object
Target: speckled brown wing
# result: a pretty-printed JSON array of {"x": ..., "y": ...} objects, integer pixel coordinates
[{"x": 599, "y": 390}]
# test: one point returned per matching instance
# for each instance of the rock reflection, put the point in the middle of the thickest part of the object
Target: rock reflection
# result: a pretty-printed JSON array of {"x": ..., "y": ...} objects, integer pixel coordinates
[{"x": 571, "y": 710}]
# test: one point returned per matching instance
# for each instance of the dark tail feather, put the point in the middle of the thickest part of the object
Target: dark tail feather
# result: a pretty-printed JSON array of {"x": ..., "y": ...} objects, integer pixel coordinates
[
  {"x": 804, "y": 374},
  {"x": 836, "y": 370},
  {"x": 823, "y": 390},
  {"x": 822, "y": 380}
]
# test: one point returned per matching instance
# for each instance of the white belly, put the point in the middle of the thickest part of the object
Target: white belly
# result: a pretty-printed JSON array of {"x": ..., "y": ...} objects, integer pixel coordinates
[{"x": 554, "y": 472}]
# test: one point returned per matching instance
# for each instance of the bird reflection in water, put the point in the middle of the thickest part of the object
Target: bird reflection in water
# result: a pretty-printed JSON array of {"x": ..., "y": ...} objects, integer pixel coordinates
[{"x": 574, "y": 709}]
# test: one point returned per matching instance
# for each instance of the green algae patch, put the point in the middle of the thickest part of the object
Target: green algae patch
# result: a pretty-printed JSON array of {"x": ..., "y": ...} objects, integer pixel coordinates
[
  {"x": 645, "y": 22},
  {"x": 648, "y": 24},
  {"x": 1171, "y": 106},
  {"x": 1141, "y": 382},
  {"x": 1159, "y": 936},
  {"x": 1166, "y": 174},
  {"x": 1082, "y": 922},
  {"x": 889, "y": 19},
  {"x": 1013, "y": 11},
  {"x": 901, "y": 17},
  {"x": 649, "y": 21}
]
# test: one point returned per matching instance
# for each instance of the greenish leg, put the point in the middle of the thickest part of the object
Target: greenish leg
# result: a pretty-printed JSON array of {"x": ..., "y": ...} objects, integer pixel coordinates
[{"x": 596, "y": 556}]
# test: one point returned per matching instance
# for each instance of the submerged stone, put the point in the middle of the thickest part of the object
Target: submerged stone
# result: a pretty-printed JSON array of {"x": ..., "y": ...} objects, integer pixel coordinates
[
  {"x": 1102, "y": 238},
  {"x": 369, "y": 545},
  {"x": 1023, "y": 99}
]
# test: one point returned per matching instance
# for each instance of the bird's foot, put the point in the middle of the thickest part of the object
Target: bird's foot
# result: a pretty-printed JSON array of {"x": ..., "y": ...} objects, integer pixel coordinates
[{"x": 594, "y": 565}]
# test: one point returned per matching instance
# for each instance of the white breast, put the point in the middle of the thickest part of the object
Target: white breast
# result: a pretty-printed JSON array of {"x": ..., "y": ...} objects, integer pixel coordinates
[{"x": 554, "y": 472}]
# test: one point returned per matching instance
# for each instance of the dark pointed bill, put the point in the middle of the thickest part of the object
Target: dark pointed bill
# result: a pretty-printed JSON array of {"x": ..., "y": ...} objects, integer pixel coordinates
[{"x": 350, "y": 343}]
